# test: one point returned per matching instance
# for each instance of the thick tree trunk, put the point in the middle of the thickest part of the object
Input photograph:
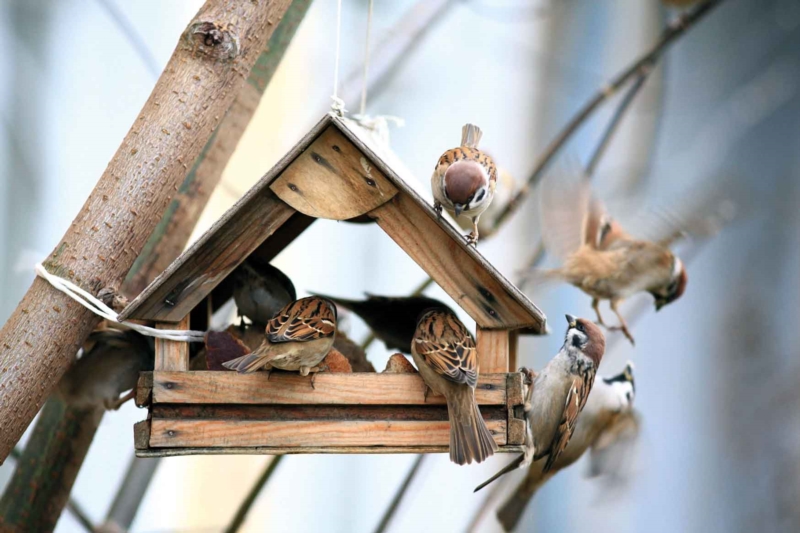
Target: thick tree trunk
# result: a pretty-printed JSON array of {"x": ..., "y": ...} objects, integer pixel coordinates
[{"x": 213, "y": 58}]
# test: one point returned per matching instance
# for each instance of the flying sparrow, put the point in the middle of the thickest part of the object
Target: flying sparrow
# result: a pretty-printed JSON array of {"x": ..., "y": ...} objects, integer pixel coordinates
[
  {"x": 445, "y": 354},
  {"x": 602, "y": 426},
  {"x": 298, "y": 338},
  {"x": 464, "y": 180},
  {"x": 392, "y": 319},
  {"x": 260, "y": 290},
  {"x": 559, "y": 393},
  {"x": 109, "y": 366},
  {"x": 601, "y": 258}
]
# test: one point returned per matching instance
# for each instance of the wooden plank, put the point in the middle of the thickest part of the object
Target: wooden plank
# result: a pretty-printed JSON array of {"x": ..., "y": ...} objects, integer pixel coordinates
[
  {"x": 266, "y": 450},
  {"x": 144, "y": 389},
  {"x": 458, "y": 272},
  {"x": 361, "y": 388},
  {"x": 238, "y": 232},
  {"x": 333, "y": 179},
  {"x": 168, "y": 433},
  {"x": 493, "y": 349},
  {"x": 513, "y": 349},
  {"x": 141, "y": 435},
  {"x": 515, "y": 392},
  {"x": 524, "y": 313},
  {"x": 172, "y": 355}
]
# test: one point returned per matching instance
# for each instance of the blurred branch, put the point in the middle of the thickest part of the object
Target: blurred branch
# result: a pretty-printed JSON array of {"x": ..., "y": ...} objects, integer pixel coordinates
[
  {"x": 133, "y": 37},
  {"x": 388, "y": 515},
  {"x": 46, "y": 470},
  {"x": 645, "y": 63},
  {"x": 130, "y": 494},
  {"x": 244, "y": 508}
]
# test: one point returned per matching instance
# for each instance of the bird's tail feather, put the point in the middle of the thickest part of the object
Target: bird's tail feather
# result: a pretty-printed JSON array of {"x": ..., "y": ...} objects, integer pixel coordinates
[
  {"x": 512, "y": 510},
  {"x": 470, "y": 439},
  {"x": 250, "y": 362},
  {"x": 471, "y": 135}
]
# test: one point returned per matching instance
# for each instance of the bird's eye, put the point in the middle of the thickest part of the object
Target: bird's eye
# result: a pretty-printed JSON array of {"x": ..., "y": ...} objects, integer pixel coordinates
[
  {"x": 580, "y": 327},
  {"x": 480, "y": 195}
]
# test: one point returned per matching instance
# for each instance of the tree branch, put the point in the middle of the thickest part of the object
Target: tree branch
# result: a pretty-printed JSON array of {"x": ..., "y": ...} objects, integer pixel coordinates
[
  {"x": 39, "y": 341},
  {"x": 388, "y": 515},
  {"x": 244, "y": 508}
]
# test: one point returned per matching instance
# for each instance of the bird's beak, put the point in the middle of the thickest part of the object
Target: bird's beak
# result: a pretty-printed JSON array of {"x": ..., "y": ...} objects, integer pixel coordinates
[
  {"x": 659, "y": 305},
  {"x": 458, "y": 209},
  {"x": 571, "y": 320}
]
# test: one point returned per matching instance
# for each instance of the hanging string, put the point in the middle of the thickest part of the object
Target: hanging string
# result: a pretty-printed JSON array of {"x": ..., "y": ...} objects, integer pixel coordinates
[
  {"x": 366, "y": 61},
  {"x": 100, "y": 309},
  {"x": 337, "y": 105}
]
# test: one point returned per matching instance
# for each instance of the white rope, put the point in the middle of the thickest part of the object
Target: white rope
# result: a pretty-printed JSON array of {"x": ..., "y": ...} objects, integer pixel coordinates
[
  {"x": 337, "y": 105},
  {"x": 99, "y": 308},
  {"x": 366, "y": 62}
]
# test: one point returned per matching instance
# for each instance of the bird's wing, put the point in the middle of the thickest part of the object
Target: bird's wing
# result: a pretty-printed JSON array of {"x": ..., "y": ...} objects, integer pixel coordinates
[
  {"x": 612, "y": 450},
  {"x": 448, "y": 347},
  {"x": 305, "y": 320},
  {"x": 576, "y": 399},
  {"x": 565, "y": 208}
]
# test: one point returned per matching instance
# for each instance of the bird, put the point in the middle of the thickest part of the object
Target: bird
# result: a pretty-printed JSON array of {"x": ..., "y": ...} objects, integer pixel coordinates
[
  {"x": 297, "y": 338},
  {"x": 260, "y": 290},
  {"x": 558, "y": 395},
  {"x": 393, "y": 319},
  {"x": 109, "y": 366},
  {"x": 447, "y": 359},
  {"x": 505, "y": 192},
  {"x": 464, "y": 180},
  {"x": 603, "y": 427},
  {"x": 600, "y": 257}
]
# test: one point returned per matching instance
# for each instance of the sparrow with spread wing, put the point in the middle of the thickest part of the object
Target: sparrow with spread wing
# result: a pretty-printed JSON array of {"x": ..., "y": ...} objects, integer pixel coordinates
[
  {"x": 606, "y": 426},
  {"x": 464, "y": 180},
  {"x": 601, "y": 258},
  {"x": 445, "y": 354},
  {"x": 559, "y": 394},
  {"x": 393, "y": 319},
  {"x": 298, "y": 338}
]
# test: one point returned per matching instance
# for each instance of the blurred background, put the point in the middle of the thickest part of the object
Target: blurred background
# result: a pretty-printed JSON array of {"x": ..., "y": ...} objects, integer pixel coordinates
[{"x": 716, "y": 373}]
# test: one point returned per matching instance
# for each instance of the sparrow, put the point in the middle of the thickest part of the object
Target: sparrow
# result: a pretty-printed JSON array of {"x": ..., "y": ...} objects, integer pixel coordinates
[
  {"x": 393, "y": 319},
  {"x": 464, "y": 180},
  {"x": 505, "y": 192},
  {"x": 601, "y": 258},
  {"x": 297, "y": 339},
  {"x": 260, "y": 290},
  {"x": 445, "y": 354},
  {"x": 604, "y": 425},
  {"x": 558, "y": 395},
  {"x": 109, "y": 366}
]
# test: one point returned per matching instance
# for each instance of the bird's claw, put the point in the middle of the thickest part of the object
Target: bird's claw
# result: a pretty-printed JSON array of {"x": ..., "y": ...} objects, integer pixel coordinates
[
  {"x": 428, "y": 390},
  {"x": 438, "y": 208},
  {"x": 625, "y": 331},
  {"x": 472, "y": 239}
]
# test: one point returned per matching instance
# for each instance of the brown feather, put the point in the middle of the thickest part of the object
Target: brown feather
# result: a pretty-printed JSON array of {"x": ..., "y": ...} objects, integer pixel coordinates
[
  {"x": 447, "y": 346},
  {"x": 305, "y": 320}
]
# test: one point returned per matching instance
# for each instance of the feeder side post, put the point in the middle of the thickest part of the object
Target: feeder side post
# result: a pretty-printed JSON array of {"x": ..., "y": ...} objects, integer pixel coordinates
[
  {"x": 493, "y": 350},
  {"x": 172, "y": 355}
]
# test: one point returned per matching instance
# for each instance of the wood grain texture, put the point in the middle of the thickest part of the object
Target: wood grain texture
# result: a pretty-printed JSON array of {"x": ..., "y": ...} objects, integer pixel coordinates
[
  {"x": 211, "y": 62},
  {"x": 360, "y": 388},
  {"x": 515, "y": 393},
  {"x": 493, "y": 350},
  {"x": 455, "y": 270},
  {"x": 513, "y": 349},
  {"x": 166, "y": 433},
  {"x": 213, "y": 257},
  {"x": 172, "y": 355},
  {"x": 144, "y": 389},
  {"x": 285, "y": 450},
  {"x": 333, "y": 179}
]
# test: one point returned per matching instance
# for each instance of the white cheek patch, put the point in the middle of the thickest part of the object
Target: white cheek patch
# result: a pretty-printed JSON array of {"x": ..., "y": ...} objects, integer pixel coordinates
[{"x": 676, "y": 268}]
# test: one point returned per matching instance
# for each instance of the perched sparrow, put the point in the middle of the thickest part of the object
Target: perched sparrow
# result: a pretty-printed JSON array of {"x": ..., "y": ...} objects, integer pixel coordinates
[
  {"x": 260, "y": 290},
  {"x": 445, "y": 354},
  {"x": 392, "y": 319},
  {"x": 505, "y": 191},
  {"x": 559, "y": 393},
  {"x": 464, "y": 180},
  {"x": 599, "y": 257},
  {"x": 604, "y": 423},
  {"x": 298, "y": 338},
  {"x": 110, "y": 365}
]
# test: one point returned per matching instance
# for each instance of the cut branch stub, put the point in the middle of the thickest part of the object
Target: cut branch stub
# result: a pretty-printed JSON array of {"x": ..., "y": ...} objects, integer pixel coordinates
[{"x": 212, "y": 40}]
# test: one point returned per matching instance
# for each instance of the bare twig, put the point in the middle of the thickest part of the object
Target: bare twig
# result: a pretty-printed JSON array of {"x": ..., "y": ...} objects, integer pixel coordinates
[
  {"x": 398, "y": 497},
  {"x": 130, "y": 493},
  {"x": 244, "y": 508},
  {"x": 675, "y": 29}
]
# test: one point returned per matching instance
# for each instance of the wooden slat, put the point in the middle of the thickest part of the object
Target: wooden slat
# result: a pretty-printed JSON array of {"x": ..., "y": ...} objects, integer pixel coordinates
[
  {"x": 144, "y": 389},
  {"x": 362, "y": 388},
  {"x": 141, "y": 435},
  {"x": 220, "y": 433},
  {"x": 333, "y": 179},
  {"x": 461, "y": 276},
  {"x": 267, "y": 450},
  {"x": 515, "y": 392},
  {"x": 172, "y": 355},
  {"x": 513, "y": 349},
  {"x": 493, "y": 349}
]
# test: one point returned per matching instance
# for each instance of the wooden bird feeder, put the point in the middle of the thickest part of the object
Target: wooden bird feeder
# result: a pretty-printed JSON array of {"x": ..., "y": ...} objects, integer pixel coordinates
[{"x": 336, "y": 172}]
